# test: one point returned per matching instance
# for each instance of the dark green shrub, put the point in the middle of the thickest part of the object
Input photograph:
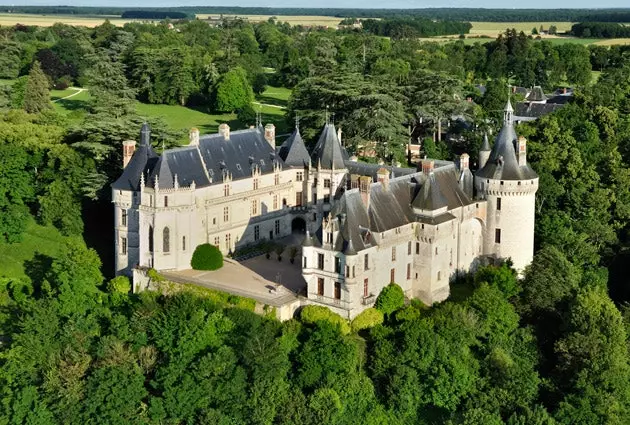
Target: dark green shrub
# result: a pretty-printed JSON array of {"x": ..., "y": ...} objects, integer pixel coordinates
[
  {"x": 390, "y": 299},
  {"x": 207, "y": 257}
]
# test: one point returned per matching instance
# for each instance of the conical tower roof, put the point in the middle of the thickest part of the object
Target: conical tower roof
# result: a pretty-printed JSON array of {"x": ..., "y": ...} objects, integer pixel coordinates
[
  {"x": 503, "y": 163},
  {"x": 293, "y": 151},
  {"x": 328, "y": 151},
  {"x": 485, "y": 146}
]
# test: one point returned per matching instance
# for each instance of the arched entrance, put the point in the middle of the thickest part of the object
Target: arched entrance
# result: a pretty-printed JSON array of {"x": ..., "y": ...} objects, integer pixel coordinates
[{"x": 298, "y": 225}]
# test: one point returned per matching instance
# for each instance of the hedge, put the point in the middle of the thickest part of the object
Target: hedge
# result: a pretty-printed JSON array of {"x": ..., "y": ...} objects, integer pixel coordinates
[
  {"x": 315, "y": 313},
  {"x": 368, "y": 318},
  {"x": 207, "y": 257}
]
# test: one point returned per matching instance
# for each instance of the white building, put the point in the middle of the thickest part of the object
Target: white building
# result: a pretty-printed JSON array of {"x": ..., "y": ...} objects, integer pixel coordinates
[{"x": 366, "y": 225}]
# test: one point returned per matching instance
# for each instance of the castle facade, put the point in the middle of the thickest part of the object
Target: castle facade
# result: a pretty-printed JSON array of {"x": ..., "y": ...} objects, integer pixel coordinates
[{"x": 365, "y": 225}]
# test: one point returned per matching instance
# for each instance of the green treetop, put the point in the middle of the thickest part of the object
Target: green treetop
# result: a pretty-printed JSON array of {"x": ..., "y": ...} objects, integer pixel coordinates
[{"x": 36, "y": 93}]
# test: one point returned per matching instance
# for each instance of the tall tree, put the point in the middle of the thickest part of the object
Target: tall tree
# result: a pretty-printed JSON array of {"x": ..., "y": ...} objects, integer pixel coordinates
[
  {"x": 234, "y": 91},
  {"x": 36, "y": 93}
]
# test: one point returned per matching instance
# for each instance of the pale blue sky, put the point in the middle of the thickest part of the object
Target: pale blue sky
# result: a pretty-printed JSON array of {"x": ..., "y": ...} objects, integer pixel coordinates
[{"x": 394, "y": 4}]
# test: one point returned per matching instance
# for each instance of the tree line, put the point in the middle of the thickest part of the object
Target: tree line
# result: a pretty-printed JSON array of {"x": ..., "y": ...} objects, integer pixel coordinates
[
  {"x": 600, "y": 30},
  {"x": 414, "y": 27}
]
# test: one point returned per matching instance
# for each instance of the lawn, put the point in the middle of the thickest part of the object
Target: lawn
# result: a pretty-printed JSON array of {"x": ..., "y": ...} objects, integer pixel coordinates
[{"x": 37, "y": 239}]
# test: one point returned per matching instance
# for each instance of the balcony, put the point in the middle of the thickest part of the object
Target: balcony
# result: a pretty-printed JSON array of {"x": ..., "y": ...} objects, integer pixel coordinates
[{"x": 369, "y": 300}]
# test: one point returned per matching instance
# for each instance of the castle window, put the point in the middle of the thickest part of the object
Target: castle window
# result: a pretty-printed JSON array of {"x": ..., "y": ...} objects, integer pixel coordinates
[
  {"x": 436, "y": 250},
  {"x": 298, "y": 199},
  {"x": 277, "y": 227},
  {"x": 123, "y": 245},
  {"x": 314, "y": 198},
  {"x": 226, "y": 190},
  {"x": 501, "y": 182},
  {"x": 347, "y": 271},
  {"x": 166, "y": 240},
  {"x": 393, "y": 253},
  {"x": 228, "y": 242},
  {"x": 214, "y": 220},
  {"x": 304, "y": 261},
  {"x": 166, "y": 201},
  {"x": 320, "y": 261},
  {"x": 299, "y": 176},
  {"x": 366, "y": 288},
  {"x": 320, "y": 286},
  {"x": 150, "y": 239},
  {"x": 255, "y": 184},
  {"x": 417, "y": 248},
  {"x": 226, "y": 213},
  {"x": 327, "y": 183},
  {"x": 276, "y": 179},
  {"x": 352, "y": 271},
  {"x": 392, "y": 276},
  {"x": 256, "y": 232},
  {"x": 329, "y": 237},
  {"x": 439, "y": 276},
  {"x": 123, "y": 217},
  {"x": 408, "y": 271},
  {"x": 275, "y": 202},
  {"x": 366, "y": 262},
  {"x": 326, "y": 199},
  {"x": 337, "y": 265},
  {"x": 183, "y": 243},
  {"x": 497, "y": 236},
  {"x": 337, "y": 290},
  {"x": 519, "y": 183},
  {"x": 254, "y": 207},
  {"x": 409, "y": 248},
  {"x": 498, "y": 204},
  {"x": 217, "y": 241}
]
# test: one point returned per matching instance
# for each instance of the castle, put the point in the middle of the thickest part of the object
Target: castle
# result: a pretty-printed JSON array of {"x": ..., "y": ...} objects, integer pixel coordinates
[{"x": 365, "y": 225}]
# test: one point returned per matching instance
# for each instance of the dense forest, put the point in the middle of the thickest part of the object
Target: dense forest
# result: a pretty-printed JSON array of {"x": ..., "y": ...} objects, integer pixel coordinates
[
  {"x": 453, "y": 14},
  {"x": 600, "y": 30},
  {"x": 78, "y": 347}
]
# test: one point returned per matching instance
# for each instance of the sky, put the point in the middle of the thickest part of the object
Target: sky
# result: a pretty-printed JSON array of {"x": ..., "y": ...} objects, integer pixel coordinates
[{"x": 363, "y": 4}]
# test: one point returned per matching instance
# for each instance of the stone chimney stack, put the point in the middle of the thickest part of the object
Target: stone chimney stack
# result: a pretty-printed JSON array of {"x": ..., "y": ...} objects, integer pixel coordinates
[
  {"x": 382, "y": 175},
  {"x": 522, "y": 151},
  {"x": 428, "y": 166},
  {"x": 224, "y": 129},
  {"x": 270, "y": 134},
  {"x": 129, "y": 147},
  {"x": 193, "y": 136},
  {"x": 464, "y": 162},
  {"x": 364, "y": 189}
]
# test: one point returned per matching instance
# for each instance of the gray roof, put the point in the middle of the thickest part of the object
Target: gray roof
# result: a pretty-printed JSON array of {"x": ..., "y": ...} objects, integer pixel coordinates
[
  {"x": 365, "y": 169},
  {"x": 525, "y": 110},
  {"x": 536, "y": 95},
  {"x": 206, "y": 163},
  {"x": 503, "y": 163},
  {"x": 293, "y": 151},
  {"x": 485, "y": 146},
  {"x": 143, "y": 159},
  {"x": 328, "y": 150},
  {"x": 391, "y": 206}
]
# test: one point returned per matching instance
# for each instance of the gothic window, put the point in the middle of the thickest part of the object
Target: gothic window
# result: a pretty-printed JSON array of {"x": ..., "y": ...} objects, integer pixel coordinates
[
  {"x": 226, "y": 213},
  {"x": 276, "y": 179},
  {"x": 166, "y": 240},
  {"x": 254, "y": 207},
  {"x": 299, "y": 176},
  {"x": 217, "y": 241},
  {"x": 123, "y": 217},
  {"x": 366, "y": 289},
  {"x": 228, "y": 242},
  {"x": 123, "y": 243},
  {"x": 226, "y": 190},
  {"x": 327, "y": 183},
  {"x": 275, "y": 202},
  {"x": 320, "y": 261},
  {"x": 255, "y": 184}
]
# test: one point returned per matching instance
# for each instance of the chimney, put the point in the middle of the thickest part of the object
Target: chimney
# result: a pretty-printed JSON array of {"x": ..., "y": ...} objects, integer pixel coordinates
[
  {"x": 129, "y": 147},
  {"x": 382, "y": 176},
  {"x": 270, "y": 134},
  {"x": 193, "y": 136},
  {"x": 522, "y": 151},
  {"x": 364, "y": 189},
  {"x": 224, "y": 129},
  {"x": 427, "y": 166},
  {"x": 564, "y": 90},
  {"x": 464, "y": 162}
]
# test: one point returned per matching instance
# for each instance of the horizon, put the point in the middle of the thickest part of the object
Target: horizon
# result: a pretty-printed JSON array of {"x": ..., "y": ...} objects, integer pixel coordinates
[{"x": 327, "y": 4}]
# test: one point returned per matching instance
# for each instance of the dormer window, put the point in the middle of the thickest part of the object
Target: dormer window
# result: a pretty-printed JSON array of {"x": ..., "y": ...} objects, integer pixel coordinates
[{"x": 238, "y": 167}]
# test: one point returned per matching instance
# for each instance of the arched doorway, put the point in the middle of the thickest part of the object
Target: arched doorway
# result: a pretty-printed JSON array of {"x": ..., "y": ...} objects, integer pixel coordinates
[{"x": 298, "y": 225}]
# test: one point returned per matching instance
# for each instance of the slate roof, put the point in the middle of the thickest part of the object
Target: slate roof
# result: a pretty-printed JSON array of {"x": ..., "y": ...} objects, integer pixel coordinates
[
  {"x": 293, "y": 151},
  {"x": 143, "y": 159},
  {"x": 215, "y": 155},
  {"x": 503, "y": 163},
  {"x": 365, "y": 169},
  {"x": 393, "y": 206},
  {"x": 526, "y": 111},
  {"x": 485, "y": 146},
  {"x": 328, "y": 150},
  {"x": 536, "y": 95}
]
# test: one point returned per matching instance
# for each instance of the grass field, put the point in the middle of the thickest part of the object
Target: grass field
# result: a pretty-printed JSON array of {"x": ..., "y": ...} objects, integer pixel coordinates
[
  {"x": 11, "y": 19},
  {"x": 493, "y": 29},
  {"x": 37, "y": 239},
  {"x": 329, "y": 21}
]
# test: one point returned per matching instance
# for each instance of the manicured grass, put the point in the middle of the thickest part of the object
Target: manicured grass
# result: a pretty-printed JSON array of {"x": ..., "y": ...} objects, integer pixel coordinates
[
  {"x": 58, "y": 94},
  {"x": 184, "y": 118},
  {"x": 274, "y": 96},
  {"x": 37, "y": 239}
]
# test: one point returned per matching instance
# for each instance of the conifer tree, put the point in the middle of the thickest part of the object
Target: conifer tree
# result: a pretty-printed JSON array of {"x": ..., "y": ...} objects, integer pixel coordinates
[{"x": 36, "y": 93}]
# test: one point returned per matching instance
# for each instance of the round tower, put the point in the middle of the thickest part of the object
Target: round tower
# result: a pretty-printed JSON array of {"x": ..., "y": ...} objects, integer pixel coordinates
[{"x": 509, "y": 185}]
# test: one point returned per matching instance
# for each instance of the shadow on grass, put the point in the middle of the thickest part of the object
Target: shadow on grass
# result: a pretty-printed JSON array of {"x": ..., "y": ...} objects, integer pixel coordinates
[
  {"x": 73, "y": 104},
  {"x": 271, "y": 100}
]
